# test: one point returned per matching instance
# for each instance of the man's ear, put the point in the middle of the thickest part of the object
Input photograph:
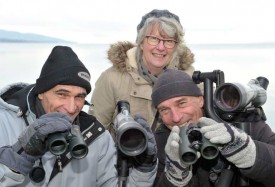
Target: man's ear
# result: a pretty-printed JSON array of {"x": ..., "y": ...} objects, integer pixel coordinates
[
  {"x": 201, "y": 101},
  {"x": 40, "y": 96}
]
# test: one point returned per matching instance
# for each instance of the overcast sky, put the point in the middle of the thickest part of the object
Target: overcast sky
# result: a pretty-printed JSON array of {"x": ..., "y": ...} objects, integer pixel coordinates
[{"x": 105, "y": 21}]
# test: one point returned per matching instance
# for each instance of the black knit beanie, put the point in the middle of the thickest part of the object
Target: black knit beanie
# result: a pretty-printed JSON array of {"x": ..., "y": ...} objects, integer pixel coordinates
[
  {"x": 173, "y": 83},
  {"x": 63, "y": 67},
  {"x": 157, "y": 13}
]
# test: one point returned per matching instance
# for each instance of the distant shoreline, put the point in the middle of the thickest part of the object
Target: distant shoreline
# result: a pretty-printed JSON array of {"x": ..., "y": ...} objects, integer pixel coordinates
[
  {"x": 30, "y": 41},
  {"x": 17, "y": 37}
]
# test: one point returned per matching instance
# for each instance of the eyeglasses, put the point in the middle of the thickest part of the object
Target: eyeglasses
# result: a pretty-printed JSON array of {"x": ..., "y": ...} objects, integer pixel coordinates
[{"x": 154, "y": 41}]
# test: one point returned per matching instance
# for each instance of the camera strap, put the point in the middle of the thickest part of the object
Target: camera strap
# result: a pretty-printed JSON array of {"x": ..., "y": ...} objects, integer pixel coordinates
[
  {"x": 155, "y": 122},
  {"x": 89, "y": 135}
]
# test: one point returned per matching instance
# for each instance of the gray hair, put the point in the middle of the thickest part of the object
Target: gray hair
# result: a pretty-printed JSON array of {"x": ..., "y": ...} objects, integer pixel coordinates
[{"x": 167, "y": 27}]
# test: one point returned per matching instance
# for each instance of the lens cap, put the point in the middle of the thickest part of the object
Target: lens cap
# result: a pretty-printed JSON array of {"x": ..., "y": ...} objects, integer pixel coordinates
[{"x": 37, "y": 174}]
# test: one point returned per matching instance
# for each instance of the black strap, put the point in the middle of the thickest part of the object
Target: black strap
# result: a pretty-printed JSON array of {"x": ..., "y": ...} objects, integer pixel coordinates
[
  {"x": 25, "y": 119},
  {"x": 155, "y": 122},
  {"x": 89, "y": 135}
]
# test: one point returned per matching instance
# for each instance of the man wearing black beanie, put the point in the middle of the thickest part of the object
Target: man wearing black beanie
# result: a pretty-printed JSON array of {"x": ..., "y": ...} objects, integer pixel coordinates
[
  {"x": 63, "y": 67},
  {"x": 180, "y": 104},
  {"x": 47, "y": 140}
]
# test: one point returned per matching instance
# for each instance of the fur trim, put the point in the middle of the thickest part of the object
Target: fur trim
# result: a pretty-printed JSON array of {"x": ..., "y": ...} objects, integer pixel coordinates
[
  {"x": 186, "y": 58},
  {"x": 117, "y": 54}
]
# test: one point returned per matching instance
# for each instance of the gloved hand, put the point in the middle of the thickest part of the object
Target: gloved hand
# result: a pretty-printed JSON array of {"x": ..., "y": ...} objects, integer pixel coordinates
[
  {"x": 234, "y": 144},
  {"x": 32, "y": 140},
  {"x": 146, "y": 161},
  {"x": 178, "y": 173}
]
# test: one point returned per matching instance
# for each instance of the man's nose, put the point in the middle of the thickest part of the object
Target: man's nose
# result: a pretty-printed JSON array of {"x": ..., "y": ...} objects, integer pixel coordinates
[
  {"x": 71, "y": 106},
  {"x": 176, "y": 116}
]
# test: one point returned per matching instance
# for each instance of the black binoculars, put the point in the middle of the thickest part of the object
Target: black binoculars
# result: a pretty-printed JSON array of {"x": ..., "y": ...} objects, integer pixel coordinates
[
  {"x": 192, "y": 141},
  {"x": 58, "y": 143},
  {"x": 131, "y": 137}
]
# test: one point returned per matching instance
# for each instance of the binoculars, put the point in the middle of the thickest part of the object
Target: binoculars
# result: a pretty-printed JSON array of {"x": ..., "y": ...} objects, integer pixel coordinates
[
  {"x": 131, "y": 137},
  {"x": 192, "y": 141},
  {"x": 58, "y": 143}
]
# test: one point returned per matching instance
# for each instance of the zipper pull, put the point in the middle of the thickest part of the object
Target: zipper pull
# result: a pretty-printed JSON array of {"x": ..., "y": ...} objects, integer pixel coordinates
[{"x": 59, "y": 164}]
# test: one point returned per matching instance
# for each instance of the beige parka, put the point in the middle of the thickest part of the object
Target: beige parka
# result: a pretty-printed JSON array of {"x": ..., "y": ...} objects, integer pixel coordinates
[{"x": 123, "y": 82}]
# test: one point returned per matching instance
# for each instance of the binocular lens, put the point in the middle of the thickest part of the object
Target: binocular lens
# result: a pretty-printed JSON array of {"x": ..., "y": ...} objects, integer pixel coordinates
[
  {"x": 210, "y": 152},
  {"x": 57, "y": 144},
  {"x": 189, "y": 157},
  {"x": 79, "y": 151}
]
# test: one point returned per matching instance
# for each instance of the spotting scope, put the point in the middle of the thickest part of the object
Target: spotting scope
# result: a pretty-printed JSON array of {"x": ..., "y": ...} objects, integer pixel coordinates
[
  {"x": 131, "y": 137},
  {"x": 235, "y": 97}
]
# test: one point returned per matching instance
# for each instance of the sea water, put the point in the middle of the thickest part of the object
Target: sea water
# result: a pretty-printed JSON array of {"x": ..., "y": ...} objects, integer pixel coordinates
[{"x": 22, "y": 62}]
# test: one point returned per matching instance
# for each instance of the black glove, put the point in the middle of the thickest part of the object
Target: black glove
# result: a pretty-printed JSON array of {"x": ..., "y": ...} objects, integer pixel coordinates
[
  {"x": 32, "y": 140},
  {"x": 146, "y": 161}
]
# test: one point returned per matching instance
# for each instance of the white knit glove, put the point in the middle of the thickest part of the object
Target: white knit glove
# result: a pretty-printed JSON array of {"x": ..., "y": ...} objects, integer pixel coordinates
[
  {"x": 178, "y": 173},
  {"x": 234, "y": 144}
]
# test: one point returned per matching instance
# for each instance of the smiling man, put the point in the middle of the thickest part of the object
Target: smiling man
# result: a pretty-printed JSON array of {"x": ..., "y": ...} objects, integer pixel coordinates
[
  {"x": 30, "y": 113},
  {"x": 180, "y": 102}
]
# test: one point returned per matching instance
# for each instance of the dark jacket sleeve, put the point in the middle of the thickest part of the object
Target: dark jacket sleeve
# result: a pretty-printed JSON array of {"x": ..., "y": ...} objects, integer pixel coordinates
[
  {"x": 263, "y": 170},
  {"x": 161, "y": 136}
]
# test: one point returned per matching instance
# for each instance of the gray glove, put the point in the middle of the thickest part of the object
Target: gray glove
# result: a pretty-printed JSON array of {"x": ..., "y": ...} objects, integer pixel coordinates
[
  {"x": 18, "y": 162},
  {"x": 178, "y": 173},
  {"x": 146, "y": 161},
  {"x": 32, "y": 140},
  {"x": 234, "y": 144}
]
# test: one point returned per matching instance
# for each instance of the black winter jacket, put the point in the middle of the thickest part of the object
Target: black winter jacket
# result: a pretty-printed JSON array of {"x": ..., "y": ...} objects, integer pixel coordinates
[{"x": 262, "y": 174}]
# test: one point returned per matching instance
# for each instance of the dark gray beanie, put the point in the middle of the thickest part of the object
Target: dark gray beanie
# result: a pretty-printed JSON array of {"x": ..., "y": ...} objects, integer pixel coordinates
[
  {"x": 173, "y": 83},
  {"x": 157, "y": 13},
  {"x": 63, "y": 67}
]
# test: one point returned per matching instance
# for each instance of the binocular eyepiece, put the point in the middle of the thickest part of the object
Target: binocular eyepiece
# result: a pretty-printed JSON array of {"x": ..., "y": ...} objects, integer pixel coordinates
[
  {"x": 192, "y": 141},
  {"x": 131, "y": 137},
  {"x": 58, "y": 143}
]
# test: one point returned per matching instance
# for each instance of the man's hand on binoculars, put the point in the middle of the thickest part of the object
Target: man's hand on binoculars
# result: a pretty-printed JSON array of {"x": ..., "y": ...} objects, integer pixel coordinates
[
  {"x": 32, "y": 140},
  {"x": 177, "y": 172},
  {"x": 146, "y": 161},
  {"x": 234, "y": 144}
]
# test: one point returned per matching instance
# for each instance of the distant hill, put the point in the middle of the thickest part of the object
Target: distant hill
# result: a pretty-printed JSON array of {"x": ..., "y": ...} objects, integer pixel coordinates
[{"x": 18, "y": 37}]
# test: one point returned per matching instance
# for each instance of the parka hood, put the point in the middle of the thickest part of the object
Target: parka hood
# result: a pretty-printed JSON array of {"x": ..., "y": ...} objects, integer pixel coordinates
[
  {"x": 14, "y": 96},
  {"x": 117, "y": 54}
]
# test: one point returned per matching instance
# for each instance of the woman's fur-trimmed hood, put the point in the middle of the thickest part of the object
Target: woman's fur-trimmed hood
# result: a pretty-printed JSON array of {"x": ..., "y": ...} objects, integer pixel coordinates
[{"x": 117, "y": 54}]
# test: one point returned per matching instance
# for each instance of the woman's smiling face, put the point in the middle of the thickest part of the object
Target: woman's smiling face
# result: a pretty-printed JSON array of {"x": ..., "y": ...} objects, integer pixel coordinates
[{"x": 156, "y": 57}]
